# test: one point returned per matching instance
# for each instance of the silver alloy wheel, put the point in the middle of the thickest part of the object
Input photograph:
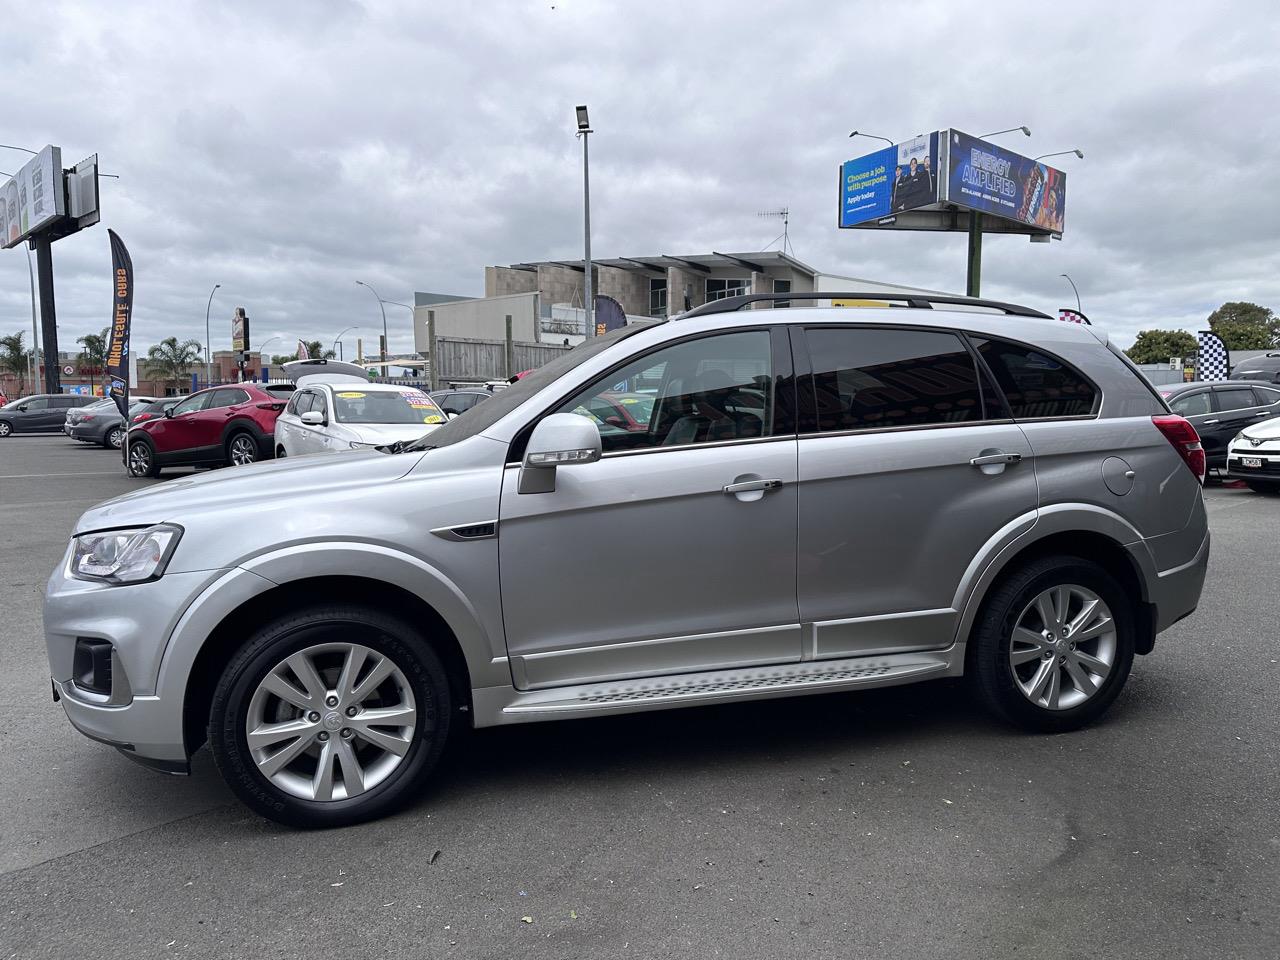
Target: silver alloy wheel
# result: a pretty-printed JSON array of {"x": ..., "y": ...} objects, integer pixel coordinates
[
  {"x": 115, "y": 437},
  {"x": 331, "y": 722},
  {"x": 1063, "y": 647},
  {"x": 4, "y": 428},
  {"x": 139, "y": 459},
  {"x": 243, "y": 450}
]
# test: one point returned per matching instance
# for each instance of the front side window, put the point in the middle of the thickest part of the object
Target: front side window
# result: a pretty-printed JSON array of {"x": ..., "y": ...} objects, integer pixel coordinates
[
  {"x": 707, "y": 390},
  {"x": 1191, "y": 404},
  {"x": 1036, "y": 384},
  {"x": 40, "y": 403},
  {"x": 720, "y": 288},
  {"x": 197, "y": 401},
  {"x": 869, "y": 378}
]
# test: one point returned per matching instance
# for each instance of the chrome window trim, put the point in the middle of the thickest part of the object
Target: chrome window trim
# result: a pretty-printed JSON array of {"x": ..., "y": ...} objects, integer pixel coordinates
[
  {"x": 912, "y": 428},
  {"x": 698, "y": 446}
]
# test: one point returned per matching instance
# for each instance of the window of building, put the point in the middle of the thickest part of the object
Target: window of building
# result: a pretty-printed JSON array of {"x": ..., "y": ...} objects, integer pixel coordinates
[
  {"x": 719, "y": 288},
  {"x": 1036, "y": 384},
  {"x": 868, "y": 379},
  {"x": 781, "y": 286},
  {"x": 657, "y": 296}
]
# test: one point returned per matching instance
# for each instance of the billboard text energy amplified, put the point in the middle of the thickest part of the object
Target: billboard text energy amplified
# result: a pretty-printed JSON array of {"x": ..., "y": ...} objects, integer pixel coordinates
[
  {"x": 902, "y": 177},
  {"x": 991, "y": 179}
]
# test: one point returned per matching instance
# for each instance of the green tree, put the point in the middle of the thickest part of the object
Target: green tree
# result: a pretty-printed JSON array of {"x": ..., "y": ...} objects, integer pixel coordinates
[
  {"x": 1158, "y": 346},
  {"x": 1245, "y": 326},
  {"x": 94, "y": 353},
  {"x": 14, "y": 358},
  {"x": 172, "y": 361}
]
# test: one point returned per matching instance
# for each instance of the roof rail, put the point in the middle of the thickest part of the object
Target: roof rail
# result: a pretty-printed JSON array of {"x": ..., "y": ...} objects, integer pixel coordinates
[{"x": 919, "y": 301}]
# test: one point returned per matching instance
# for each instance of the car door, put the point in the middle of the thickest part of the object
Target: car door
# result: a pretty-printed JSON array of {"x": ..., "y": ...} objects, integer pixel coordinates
[
  {"x": 1235, "y": 407},
  {"x": 321, "y": 436},
  {"x": 1268, "y": 402},
  {"x": 288, "y": 427},
  {"x": 674, "y": 552},
  {"x": 176, "y": 435},
  {"x": 908, "y": 466},
  {"x": 1197, "y": 407},
  {"x": 307, "y": 436},
  {"x": 33, "y": 415}
]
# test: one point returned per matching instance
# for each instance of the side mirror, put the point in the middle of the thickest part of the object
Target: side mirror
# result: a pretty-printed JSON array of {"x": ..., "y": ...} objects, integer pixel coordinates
[
  {"x": 168, "y": 412},
  {"x": 23, "y": 408},
  {"x": 616, "y": 421},
  {"x": 313, "y": 418},
  {"x": 560, "y": 440}
]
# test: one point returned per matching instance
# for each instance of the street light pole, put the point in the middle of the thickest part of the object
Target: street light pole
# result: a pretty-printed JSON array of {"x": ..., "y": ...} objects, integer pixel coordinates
[
  {"x": 208, "y": 353},
  {"x": 1077, "y": 292},
  {"x": 584, "y": 132},
  {"x": 261, "y": 365},
  {"x": 1061, "y": 153},
  {"x": 859, "y": 133},
  {"x": 1026, "y": 131},
  {"x": 337, "y": 341},
  {"x": 378, "y": 297}
]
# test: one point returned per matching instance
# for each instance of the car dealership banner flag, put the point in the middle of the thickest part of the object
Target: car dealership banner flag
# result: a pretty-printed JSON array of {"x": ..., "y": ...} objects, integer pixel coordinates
[
  {"x": 121, "y": 319},
  {"x": 609, "y": 315},
  {"x": 1215, "y": 361}
]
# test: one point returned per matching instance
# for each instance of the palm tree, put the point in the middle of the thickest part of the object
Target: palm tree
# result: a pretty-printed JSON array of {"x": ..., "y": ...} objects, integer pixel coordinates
[
  {"x": 173, "y": 360},
  {"x": 94, "y": 354},
  {"x": 13, "y": 358}
]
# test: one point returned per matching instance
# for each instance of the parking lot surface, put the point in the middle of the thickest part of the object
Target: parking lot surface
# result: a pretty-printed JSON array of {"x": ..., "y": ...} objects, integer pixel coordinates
[{"x": 892, "y": 823}]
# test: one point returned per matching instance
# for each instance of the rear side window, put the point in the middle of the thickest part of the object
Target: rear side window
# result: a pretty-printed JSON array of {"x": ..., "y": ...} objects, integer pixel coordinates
[
  {"x": 62, "y": 402},
  {"x": 228, "y": 398},
  {"x": 1267, "y": 395},
  {"x": 1235, "y": 398},
  {"x": 1036, "y": 384},
  {"x": 872, "y": 378}
]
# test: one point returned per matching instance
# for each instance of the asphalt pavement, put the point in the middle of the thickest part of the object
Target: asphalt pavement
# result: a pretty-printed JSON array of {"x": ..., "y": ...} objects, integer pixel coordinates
[{"x": 886, "y": 824}]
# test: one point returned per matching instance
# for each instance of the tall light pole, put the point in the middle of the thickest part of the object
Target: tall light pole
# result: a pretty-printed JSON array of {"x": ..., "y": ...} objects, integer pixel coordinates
[
  {"x": 208, "y": 353},
  {"x": 872, "y": 136},
  {"x": 584, "y": 132},
  {"x": 337, "y": 341},
  {"x": 1026, "y": 132},
  {"x": 1077, "y": 292},
  {"x": 261, "y": 365},
  {"x": 383, "y": 352}
]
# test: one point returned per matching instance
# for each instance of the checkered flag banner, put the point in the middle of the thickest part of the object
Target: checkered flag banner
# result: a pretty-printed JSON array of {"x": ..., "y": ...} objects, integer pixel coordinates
[
  {"x": 1215, "y": 363},
  {"x": 1072, "y": 316}
]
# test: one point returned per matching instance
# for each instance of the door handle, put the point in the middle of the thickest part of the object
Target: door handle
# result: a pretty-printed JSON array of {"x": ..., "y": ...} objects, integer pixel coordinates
[
  {"x": 991, "y": 458},
  {"x": 744, "y": 486},
  {"x": 1207, "y": 422},
  {"x": 1264, "y": 413}
]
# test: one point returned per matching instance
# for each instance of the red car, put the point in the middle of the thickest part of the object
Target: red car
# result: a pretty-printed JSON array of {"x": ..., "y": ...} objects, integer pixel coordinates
[{"x": 228, "y": 425}]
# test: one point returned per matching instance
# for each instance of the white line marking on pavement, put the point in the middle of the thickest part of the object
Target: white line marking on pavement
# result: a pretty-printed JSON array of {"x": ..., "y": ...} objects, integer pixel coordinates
[{"x": 50, "y": 476}]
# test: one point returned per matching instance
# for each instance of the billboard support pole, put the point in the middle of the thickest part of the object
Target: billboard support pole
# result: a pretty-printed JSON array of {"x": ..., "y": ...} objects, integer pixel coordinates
[
  {"x": 48, "y": 317},
  {"x": 973, "y": 281}
]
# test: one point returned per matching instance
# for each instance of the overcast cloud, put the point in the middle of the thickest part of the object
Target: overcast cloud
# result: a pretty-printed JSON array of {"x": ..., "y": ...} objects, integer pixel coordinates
[{"x": 287, "y": 149}]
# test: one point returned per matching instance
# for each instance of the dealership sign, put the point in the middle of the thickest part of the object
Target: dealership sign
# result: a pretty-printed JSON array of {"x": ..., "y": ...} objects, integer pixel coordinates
[
  {"x": 890, "y": 181},
  {"x": 32, "y": 198},
  {"x": 948, "y": 169}
]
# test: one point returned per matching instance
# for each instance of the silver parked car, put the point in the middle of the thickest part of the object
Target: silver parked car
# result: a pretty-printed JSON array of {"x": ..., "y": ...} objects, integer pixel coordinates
[
  {"x": 101, "y": 422},
  {"x": 817, "y": 500}
]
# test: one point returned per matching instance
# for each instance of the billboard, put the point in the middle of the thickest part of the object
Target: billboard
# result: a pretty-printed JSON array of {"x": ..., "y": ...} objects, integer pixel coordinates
[
  {"x": 990, "y": 179},
  {"x": 32, "y": 198},
  {"x": 239, "y": 330},
  {"x": 902, "y": 177}
]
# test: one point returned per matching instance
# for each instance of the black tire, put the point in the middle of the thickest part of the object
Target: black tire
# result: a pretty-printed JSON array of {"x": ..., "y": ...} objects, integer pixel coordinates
[
  {"x": 280, "y": 454},
  {"x": 407, "y": 649},
  {"x": 6, "y": 428},
  {"x": 988, "y": 671},
  {"x": 1271, "y": 489},
  {"x": 118, "y": 434},
  {"x": 243, "y": 441},
  {"x": 142, "y": 459}
]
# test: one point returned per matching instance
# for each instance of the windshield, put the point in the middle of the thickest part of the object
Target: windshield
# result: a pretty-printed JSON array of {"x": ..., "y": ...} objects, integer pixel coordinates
[
  {"x": 484, "y": 415},
  {"x": 385, "y": 406}
]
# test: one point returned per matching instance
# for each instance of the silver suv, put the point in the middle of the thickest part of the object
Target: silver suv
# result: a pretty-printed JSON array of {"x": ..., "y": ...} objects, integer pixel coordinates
[{"x": 729, "y": 505}]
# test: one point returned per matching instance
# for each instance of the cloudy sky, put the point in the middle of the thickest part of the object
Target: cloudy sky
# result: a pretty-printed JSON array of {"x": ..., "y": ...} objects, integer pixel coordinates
[{"x": 288, "y": 149}]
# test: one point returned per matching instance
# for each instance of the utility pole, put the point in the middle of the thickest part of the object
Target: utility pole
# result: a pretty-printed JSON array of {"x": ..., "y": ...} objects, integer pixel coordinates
[
  {"x": 584, "y": 132},
  {"x": 973, "y": 282}
]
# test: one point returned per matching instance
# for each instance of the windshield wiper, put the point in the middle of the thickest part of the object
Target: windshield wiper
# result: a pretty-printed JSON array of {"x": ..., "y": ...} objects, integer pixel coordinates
[{"x": 401, "y": 446}]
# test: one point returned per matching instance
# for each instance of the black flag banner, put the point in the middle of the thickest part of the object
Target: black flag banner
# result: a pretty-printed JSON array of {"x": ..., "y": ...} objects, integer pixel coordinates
[{"x": 121, "y": 317}]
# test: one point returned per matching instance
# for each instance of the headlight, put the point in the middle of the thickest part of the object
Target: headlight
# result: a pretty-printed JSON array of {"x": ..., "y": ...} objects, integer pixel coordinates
[{"x": 124, "y": 556}]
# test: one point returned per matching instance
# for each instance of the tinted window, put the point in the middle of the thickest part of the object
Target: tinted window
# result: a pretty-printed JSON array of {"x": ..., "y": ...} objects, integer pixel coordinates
[
  {"x": 1035, "y": 383},
  {"x": 1267, "y": 396},
  {"x": 306, "y": 401},
  {"x": 63, "y": 402},
  {"x": 866, "y": 378},
  {"x": 1190, "y": 404},
  {"x": 197, "y": 401},
  {"x": 40, "y": 403},
  {"x": 228, "y": 398},
  {"x": 1235, "y": 398},
  {"x": 711, "y": 389},
  {"x": 318, "y": 402},
  {"x": 293, "y": 403}
]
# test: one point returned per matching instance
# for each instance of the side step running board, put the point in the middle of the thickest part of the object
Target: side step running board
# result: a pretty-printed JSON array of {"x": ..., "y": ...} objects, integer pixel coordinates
[{"x": 625, "y": 696}]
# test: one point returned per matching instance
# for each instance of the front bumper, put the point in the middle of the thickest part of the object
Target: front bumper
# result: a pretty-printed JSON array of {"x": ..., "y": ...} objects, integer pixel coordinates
[{"x": 140, "y": 729}]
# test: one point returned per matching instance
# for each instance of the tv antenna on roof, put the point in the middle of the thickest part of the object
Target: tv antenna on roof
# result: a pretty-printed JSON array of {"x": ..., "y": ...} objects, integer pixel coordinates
[{"x": 783, "y": 214}]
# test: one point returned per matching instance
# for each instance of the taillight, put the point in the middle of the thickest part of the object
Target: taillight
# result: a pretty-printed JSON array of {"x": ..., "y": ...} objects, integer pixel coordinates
[
  {"x": 86, "y": 416},
  {"x": 269, "y": 406},
  {"x": 1179, "y": 432}
]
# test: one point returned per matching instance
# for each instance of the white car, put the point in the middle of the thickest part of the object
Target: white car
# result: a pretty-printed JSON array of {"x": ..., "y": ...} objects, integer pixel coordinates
[
  {"x": 336, "y": 409},
  {"x": 1254, "y": 456}
]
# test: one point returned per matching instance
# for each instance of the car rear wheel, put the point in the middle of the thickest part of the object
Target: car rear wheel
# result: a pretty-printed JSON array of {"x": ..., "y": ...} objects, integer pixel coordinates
[
  {"x": 331, "y": 716},
  {"x": 242, "y": 449},
  {"x": 1053, "y": 645},
  {"x": 5, "y": 428},
  {"x": 114, "y": 437},
  {"x": 142, "y": 459}
]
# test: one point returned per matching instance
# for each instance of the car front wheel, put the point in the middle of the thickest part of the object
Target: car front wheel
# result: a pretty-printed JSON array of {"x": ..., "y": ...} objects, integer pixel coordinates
[
  {"x": 331, "y": 716},
  {"x": 142, "y": 460},
  {"x": 1053, "y": 645}
]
